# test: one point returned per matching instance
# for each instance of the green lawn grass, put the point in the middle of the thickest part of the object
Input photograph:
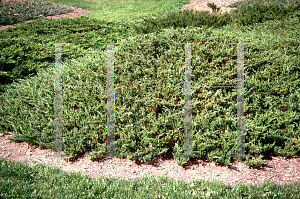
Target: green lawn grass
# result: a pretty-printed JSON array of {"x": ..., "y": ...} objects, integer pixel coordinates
[{"x": 24, "y": 56}]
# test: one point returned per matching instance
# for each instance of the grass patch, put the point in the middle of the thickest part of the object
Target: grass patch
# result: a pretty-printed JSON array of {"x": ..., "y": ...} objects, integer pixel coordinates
[{"x": 40, "y": 181}]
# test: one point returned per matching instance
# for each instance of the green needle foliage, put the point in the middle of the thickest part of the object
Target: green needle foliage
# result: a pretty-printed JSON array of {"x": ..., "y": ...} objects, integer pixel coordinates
[{"x": 149, "y": 81}]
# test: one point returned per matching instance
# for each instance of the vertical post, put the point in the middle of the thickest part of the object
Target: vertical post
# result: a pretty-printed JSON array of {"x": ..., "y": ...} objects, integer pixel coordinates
[
  {"x": 110, "y": 101},
  {"x": 110, "y": 149},
  {"x": 58, "y": 101},
  {"x": 188, "y": 103},
  {"x": 57, "y": 105},
  {"x": 240, "y": 102}
]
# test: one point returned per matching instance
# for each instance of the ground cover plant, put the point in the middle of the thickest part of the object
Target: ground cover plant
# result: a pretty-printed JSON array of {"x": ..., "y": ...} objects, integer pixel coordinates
[{"x": 149, "y": 82}]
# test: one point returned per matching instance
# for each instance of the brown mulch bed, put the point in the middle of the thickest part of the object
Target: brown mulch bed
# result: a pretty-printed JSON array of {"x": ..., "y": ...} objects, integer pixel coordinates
[
  {"x": 277, "y": 169},
  {"x": 75, "y": 13}
]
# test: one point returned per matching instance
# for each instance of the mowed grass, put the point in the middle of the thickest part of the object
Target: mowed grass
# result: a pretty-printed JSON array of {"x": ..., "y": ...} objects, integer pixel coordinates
[{"x": 19, "y": 180}]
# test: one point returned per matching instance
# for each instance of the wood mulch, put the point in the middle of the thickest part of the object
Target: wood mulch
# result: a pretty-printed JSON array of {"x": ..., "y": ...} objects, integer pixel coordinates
[
  {"x": 194, "y": 4},
  {"x": 277, "y": 169},
  {"x": 75, "y": 13}
]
